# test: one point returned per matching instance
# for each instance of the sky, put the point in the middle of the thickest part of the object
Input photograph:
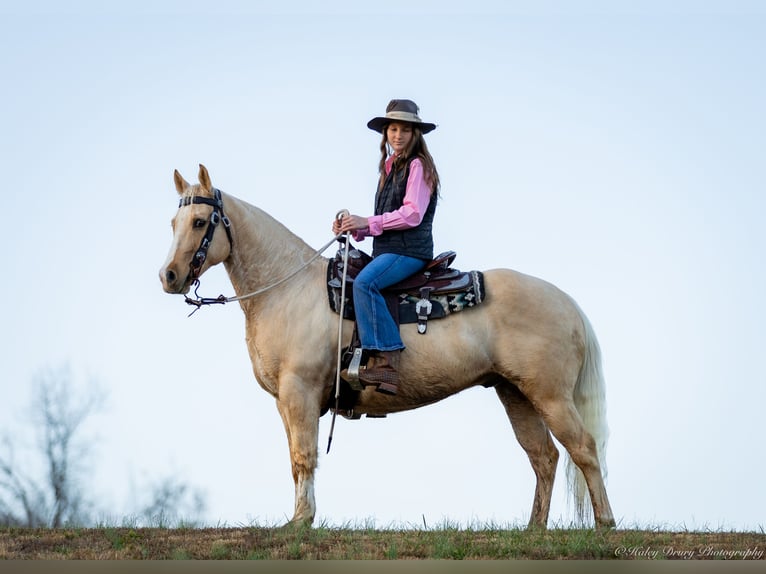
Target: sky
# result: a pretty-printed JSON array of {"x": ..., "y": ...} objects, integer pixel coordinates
[{"x": 615, "y": 149}]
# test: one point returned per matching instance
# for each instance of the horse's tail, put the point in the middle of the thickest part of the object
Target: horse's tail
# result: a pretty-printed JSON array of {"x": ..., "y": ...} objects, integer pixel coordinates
[{"x": 590, "y": 402}]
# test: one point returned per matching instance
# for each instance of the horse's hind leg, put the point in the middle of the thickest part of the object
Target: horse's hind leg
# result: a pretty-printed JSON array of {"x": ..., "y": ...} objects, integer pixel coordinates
[
  {"x": 533, "y": 435},
  {"x": 568, "y": 428}
]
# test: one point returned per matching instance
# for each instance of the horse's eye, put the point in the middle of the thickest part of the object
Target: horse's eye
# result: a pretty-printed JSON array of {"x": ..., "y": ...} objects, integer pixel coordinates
[{"x": 199, "y": 223}]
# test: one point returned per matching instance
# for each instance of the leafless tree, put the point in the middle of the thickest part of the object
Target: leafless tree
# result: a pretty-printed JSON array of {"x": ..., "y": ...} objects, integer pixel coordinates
[
  {"x": 22, "y": 502},
  {"x": 58, "y": 414},
  {"x": 172, "y": 502},
  {"x": 47, "y": 488}
]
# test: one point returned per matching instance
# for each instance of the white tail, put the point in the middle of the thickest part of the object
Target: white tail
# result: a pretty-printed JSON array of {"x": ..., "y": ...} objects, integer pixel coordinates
[{"x": 590, "y": 402}]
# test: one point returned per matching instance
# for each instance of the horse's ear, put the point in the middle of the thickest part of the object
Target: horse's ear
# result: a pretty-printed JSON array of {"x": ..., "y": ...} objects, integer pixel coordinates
[
  {"x": 204, "y": 179},
  {"x": 181, "y": 184}
]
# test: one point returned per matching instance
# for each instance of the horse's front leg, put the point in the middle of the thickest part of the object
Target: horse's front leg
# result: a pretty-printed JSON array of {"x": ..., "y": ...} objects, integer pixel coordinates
[{"x": 299, "y": 405}]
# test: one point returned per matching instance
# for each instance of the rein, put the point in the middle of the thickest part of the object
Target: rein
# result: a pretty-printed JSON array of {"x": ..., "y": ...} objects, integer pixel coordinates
[
  {"x": 339, "y": 359},
  {"x": 222, "y": 299},
  {"x": 217, "y": 216}
]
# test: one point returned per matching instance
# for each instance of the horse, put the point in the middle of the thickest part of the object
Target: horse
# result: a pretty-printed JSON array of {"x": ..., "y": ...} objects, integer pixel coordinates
[{"x": 528, "y": 340}]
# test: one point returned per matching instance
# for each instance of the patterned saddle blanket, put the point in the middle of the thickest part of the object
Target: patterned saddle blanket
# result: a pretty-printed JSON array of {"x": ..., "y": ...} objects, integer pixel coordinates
[{"x": 435, "y": 292}]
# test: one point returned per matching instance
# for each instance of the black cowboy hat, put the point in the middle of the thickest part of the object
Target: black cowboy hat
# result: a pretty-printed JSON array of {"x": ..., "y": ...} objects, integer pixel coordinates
[{"x": 400, "y": 111}]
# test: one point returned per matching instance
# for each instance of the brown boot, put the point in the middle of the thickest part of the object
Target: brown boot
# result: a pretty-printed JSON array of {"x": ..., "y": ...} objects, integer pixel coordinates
[{"x": 382, "y": 370}]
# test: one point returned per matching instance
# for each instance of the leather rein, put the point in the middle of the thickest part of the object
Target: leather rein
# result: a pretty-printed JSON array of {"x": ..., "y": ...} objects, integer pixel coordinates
[{"x": 195, "y": 266}]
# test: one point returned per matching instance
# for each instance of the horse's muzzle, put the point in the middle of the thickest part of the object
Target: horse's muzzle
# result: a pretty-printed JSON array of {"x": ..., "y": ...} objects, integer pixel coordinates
[{"x": 172, "y": 282}]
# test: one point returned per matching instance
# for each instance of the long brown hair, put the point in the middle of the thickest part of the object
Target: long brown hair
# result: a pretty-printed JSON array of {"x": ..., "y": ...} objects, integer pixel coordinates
[{"x": 417, "y": 148}]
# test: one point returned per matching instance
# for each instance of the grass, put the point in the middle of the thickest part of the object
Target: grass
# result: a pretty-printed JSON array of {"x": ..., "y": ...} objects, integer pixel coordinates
[{"x": 447, "y": 542}]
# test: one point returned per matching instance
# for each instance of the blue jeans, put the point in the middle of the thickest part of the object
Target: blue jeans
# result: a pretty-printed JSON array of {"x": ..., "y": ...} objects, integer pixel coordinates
[{"x": 376, "y": 326}]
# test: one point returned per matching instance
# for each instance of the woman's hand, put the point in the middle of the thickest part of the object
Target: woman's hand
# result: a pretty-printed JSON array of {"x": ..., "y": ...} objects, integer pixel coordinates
[{"x": 349, "y": 223}]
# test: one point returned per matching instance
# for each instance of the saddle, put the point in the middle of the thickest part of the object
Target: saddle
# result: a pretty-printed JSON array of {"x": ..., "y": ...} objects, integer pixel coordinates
[{"x": 435, "y": 292}]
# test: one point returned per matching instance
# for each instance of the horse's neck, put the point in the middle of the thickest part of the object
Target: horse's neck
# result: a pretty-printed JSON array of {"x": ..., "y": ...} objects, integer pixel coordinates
[{"x": 264, "y": 250}]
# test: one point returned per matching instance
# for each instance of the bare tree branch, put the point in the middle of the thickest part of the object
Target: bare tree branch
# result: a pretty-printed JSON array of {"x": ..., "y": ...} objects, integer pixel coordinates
[
  {"x": 58, "y": 497},
  {"x": 172, "y": 501},
  {"x": 59, "y": 414},
  {"x": 21, "y": 490}
]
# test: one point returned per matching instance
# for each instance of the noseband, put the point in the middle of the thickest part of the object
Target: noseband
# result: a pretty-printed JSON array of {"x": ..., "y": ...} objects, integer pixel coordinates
[{"x": 216, "y": 216}]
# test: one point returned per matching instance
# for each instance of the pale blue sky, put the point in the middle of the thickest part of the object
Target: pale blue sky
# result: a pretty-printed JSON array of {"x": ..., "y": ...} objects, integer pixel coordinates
[{"x": 614, "y": 149}]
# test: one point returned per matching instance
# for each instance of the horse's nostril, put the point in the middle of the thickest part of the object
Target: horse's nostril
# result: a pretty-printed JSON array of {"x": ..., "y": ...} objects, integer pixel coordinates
[{"x": 170, "y": 276}]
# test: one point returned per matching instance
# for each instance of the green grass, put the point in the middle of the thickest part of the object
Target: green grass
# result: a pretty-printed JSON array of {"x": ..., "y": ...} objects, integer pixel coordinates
[{"x": 445, "y": 542}]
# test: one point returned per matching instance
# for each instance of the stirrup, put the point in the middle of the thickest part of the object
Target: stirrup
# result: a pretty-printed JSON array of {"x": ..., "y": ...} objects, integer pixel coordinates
[{"x": 351, "y": 374}]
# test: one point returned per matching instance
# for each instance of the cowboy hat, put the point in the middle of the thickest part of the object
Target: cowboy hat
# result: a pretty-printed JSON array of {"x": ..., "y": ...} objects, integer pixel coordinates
[{"x": 400, "y": 111}]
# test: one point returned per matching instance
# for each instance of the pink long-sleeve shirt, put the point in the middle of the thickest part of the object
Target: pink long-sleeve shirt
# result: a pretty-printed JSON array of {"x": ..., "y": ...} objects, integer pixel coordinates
[{"x": 417, "y": 196}]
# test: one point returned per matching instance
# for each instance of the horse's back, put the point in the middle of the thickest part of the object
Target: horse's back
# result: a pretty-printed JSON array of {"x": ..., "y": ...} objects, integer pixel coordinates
[
  {"x": 516, "y": 297},
  {"x": 522, "y": 318},
  {"x": 523, "y": 323}
]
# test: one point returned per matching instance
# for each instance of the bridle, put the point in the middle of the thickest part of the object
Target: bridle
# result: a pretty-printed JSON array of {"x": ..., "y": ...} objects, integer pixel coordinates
[{"x": 216, "y": 216}]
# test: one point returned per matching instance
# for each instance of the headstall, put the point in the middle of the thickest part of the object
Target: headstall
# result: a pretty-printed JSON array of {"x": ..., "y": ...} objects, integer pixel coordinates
[{"x": 216, "y": 216}]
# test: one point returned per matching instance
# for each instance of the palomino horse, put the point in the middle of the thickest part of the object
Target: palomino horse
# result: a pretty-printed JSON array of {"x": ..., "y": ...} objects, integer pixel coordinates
[{"x": 528, "y": 340}]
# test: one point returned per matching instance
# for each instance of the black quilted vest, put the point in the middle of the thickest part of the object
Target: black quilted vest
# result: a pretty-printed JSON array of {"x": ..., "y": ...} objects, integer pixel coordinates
[{"x": 415, "y": 242}]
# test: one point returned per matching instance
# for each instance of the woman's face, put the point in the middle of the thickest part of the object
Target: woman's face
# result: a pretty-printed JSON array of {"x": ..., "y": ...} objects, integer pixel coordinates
[{"x": 399, "y": 136}]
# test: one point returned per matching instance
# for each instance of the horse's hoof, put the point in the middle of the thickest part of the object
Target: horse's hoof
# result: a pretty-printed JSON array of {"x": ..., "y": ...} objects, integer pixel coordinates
[
  {"x": 297, "y": 524},
  {"x": 606, "y": 525}
]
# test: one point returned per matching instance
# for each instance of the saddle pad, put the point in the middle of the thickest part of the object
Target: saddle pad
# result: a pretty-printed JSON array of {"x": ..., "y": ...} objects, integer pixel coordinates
[{"x": 451, "y": 290}]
